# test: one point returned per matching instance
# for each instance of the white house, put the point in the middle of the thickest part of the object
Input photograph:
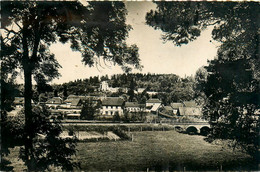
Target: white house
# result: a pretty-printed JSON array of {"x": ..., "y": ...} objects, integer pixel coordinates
[
  {"x": 134, "y": 107},
  {"x": 111, "y": 105},
  {"x": 104, "y": 86}
]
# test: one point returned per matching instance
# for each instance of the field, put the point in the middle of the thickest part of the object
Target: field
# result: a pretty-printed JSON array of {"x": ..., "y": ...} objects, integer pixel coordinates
[
  {"x": 157, "y": 150},
  {"x": 160, "y": 150}
]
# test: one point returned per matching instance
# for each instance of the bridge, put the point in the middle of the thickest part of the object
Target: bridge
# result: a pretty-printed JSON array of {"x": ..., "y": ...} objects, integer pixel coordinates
[
  {"x": 200, "y": 127},
  {"x": 194, "y": 127}
]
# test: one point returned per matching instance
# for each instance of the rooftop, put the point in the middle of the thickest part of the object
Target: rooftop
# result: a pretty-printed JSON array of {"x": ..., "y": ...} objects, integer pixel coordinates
[
  {"x": 176, "y": 105},
  {"x": 190, "y": 103},
  {"x": 55, "y": 100},
  {"x": 112, "y": 101},
  {"x": 75, "y": 102},
  {"x": 190, "y": 111},
  {"x": 153, "y": 101},
  {"x": 133, "y": 104},
  {"x": 168, "y": 108}
]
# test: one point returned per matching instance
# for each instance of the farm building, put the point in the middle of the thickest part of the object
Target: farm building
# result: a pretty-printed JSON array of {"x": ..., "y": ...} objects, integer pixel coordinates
[
  {"x": 152, "y": 102},
  {"x": 54, "y": 102},
  {"x": 111, "y": 105},
  {"x": 134, "y": 107}
]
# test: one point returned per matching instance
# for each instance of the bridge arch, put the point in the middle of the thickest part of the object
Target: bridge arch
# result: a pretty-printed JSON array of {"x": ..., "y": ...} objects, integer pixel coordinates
[
  {"x": 192, "y": 130},
  {"x": 178, "y": 128},
  {"x": 204, "y": 130}
]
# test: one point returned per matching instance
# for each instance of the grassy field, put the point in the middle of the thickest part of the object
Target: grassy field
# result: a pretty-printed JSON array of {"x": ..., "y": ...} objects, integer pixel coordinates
[
  {"x": 160, "y": 150},
  {"x": 156, "y": 150}
]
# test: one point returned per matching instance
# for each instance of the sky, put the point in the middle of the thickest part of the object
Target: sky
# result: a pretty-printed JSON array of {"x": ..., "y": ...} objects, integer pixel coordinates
[{"x": 156, "y": 56}]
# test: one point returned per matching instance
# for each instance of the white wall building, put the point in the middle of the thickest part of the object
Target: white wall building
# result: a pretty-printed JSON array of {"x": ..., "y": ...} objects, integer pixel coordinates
[{"x": 111, "y": 105}]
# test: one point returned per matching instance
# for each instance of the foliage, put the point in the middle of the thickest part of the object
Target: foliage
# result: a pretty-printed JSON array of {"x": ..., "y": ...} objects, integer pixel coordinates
[
  {"x": 232, "y": 109},
  {"x": 230, "y": 86},
  {"x": 119, "y": 132},
  {"x": 126, "y": 117},
  {"x": 89, "y": 109},
  {"x": 65, "y": 92},
  {"x": 171, "y": 87},
  {"x": 8, "y": 92},
  {"x": 131, "y": 90},
  {"x": 97, "y": 31},
  {"x": 48, "y": 148},
  {"x": 116, "y": 117},
  {"x": 10, "y": 126},
  {"x": 12, "y": 129}
]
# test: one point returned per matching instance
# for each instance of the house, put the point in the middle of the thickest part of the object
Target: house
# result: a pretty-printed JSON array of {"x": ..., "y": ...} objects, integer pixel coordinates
[
  {"x": 54, "y": 102},
  {"x": 111, "y": 105},
  {"x": 168, "y": 110},
  {"x": 104, "y": 86},
  {"x": 190, "y": 111},
  {"x": 76, "y": 103},
  {"x": 155, "y": 108},
  {"x": 134, "y": 107},
  {"x": 175, "y": 108},
  {"x": 152, "y": 102},
  {"x": 152, "y": 93},
  {"x": 140, "y": 90},
  {"x": 190, "y": 103},
  {"x": 73, "y": 116}
]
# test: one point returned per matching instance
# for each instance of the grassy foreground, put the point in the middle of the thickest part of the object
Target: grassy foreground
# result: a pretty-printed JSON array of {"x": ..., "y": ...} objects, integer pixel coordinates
[
  {"x": 161, "y": 150},
  {"x": 155, "y": 150}
]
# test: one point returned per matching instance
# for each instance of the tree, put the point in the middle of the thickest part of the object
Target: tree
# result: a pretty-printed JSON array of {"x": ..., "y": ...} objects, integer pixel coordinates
[
  {"x": 200, "y": 79},
  {"x": 97, "y": 30},
  {"x": 65, "y": 92},
  {"x": 48, "y": 148},
  {"x": 131, "y": 91},
  {"x": 9, "y": 129},
  {"x": 89, "y": 109},
  {"x": 232, "y": 109},
  {"x": 232, "y": 82},
  {"x": 55, "y": 93},
  {"x": 116, "y": 117}
]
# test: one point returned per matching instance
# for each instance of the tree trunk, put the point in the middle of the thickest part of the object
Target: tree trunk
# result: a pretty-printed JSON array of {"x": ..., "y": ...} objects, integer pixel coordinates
[
  {"x": 28, "y": 128},
  {"x": 29, "y": 133}
]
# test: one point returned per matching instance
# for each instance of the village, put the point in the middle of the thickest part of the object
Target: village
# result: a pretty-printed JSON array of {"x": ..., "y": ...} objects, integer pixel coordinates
[
  {"x": 130, "y": 86},
  {"x": 108, "y": 108}
]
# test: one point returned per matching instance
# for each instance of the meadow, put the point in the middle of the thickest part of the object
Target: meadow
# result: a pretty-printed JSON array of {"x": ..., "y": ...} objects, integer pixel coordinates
[
  {"x": 155, "y": 151},
  {"x": 161, "y": 150}
]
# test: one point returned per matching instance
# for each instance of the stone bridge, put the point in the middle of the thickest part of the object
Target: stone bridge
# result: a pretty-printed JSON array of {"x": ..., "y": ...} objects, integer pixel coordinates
[{"x": 200, "y": 127}]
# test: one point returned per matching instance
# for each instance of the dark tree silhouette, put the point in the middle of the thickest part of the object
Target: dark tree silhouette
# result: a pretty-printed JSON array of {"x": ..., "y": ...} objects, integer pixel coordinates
[
  {"x": 89, "y": 109},
  {"x": 65, "y": 92},
  {"x": 131, "y": 91},
  {"x": 97, "y": 30},
  {"x": 231, "y": 85}
]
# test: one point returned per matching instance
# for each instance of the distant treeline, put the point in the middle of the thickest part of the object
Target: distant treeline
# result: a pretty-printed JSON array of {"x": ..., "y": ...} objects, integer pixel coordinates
[{"x": 170, "y": 87}]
